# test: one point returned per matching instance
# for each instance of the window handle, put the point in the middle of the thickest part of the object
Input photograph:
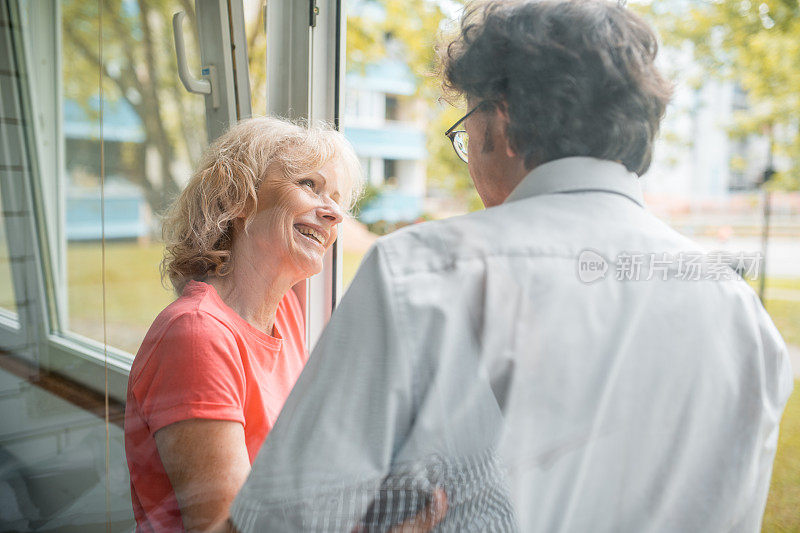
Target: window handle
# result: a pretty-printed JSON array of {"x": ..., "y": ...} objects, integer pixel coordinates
[{"x": 208, "y": 72}]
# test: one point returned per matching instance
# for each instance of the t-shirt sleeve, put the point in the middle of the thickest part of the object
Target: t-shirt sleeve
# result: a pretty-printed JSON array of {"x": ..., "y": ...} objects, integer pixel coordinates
[{"x": 195, "y": 371}]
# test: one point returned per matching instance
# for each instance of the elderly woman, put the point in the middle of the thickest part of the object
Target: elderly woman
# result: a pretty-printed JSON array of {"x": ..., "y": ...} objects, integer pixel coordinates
[{"x": 217, "y": 364}]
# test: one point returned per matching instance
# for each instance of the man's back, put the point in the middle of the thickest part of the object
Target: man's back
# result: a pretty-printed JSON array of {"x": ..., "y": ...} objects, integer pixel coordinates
[{"x": 642, "y": 397}]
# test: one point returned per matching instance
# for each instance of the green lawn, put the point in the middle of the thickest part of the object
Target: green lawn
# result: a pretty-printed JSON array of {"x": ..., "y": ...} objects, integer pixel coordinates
[
  {"x": 784, "y": 283},
  {"x": 134, "y": 295},
  {"x": 6, "y": 287},
  {"x": 786, "y": 315},
  {"x": 351, "y": 262},
  {"x": 783, "y": 505}
]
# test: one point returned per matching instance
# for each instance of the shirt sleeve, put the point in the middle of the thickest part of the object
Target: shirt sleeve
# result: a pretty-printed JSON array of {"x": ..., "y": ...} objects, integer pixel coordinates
[
  {"x": 776, "y": 387},
  {"x": 335, "y": 437},
  {"x": 195, "y": 371}
]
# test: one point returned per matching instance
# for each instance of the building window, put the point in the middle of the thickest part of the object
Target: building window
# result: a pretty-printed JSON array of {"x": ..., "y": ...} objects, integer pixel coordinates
[
  {"x": 390, "y": 171},
  {"x": 392, "y": 108}
]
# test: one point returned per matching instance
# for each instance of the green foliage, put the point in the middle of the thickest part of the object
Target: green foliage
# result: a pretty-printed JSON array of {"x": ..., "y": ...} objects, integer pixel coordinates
[
  {"x": 370, "y": 193},
  {"x": 410, "y": 29},
  {"x": 445, "y": 170},
  {"x": 755, "y": 44},
  {"x": 257, "y": 58},
  {"x": 375, "y": 26}
]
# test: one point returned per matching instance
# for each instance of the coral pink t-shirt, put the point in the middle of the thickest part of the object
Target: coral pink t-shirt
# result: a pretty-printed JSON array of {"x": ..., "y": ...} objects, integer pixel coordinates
[{"x": 202, "y": 360}]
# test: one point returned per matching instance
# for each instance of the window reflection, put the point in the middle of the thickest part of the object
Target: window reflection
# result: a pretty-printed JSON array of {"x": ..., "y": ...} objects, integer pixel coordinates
[{"x": 52, "y": 451}]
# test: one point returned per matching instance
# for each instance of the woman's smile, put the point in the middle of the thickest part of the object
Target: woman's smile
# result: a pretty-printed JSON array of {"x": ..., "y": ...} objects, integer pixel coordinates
[{"x": 316, "y": 235}]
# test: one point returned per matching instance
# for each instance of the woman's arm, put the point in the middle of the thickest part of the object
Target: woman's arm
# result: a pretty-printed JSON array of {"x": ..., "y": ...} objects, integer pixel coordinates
[{"x": 207, "y": 464}]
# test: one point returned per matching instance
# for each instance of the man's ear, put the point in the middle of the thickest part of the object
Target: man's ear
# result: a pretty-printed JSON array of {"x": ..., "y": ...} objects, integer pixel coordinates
[{"x": 503, "y": 120}]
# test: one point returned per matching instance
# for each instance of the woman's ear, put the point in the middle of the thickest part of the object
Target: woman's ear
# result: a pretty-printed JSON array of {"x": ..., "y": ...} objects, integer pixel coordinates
[{"x": 237, "y": 225}]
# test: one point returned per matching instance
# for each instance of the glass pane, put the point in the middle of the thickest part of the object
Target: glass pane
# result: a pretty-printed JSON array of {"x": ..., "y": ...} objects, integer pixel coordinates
[
  {"x": 7, "y": 300},
  {"x": 153, "y": 130},
  {"x": 9, "y": 114}
]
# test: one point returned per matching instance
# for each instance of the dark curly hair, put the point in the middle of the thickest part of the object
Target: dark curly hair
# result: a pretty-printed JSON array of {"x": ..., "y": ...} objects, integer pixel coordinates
[{"x": 577, "y": 76}]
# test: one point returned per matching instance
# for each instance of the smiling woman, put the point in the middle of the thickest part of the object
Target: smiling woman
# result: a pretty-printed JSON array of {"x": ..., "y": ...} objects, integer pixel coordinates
[
  {"x": 217, "y": 364},
  {"x": 249, "y": 170}
]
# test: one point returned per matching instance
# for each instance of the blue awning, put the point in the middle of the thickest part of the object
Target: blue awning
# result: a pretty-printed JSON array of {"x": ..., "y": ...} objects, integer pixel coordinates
[
  {"x": 392, "y": 206},
  {"x": 389, "y": 142},
  {"x": 125, "y": 213},
  {"x": 121, "y": 123},
  {"x": 388, "y": 76}
]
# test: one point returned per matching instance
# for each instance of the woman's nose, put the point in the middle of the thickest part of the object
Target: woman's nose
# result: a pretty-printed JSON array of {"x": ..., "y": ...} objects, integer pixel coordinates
[{"x": 331, "y": 212}]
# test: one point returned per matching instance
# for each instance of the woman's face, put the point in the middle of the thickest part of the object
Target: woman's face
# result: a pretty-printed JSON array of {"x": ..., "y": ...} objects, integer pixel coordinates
[{"x": 295, "y": 222}]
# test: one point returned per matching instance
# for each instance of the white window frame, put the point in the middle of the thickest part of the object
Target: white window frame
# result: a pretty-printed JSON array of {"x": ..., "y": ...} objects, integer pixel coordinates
[{"x": 305, "y": 79}]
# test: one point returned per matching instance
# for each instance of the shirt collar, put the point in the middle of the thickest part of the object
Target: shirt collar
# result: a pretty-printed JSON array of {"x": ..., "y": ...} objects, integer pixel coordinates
[{"x": 575, "y": 174}]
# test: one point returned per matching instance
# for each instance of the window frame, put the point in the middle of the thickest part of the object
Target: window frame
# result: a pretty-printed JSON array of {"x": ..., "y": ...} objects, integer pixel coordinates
[{"x": 23, "y": 222}]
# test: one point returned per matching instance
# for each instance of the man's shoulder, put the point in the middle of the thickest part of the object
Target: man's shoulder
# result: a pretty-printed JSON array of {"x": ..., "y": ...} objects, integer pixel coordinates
[
  {"x": 435, "y": 245},
  {"x": 538, "y": 227}
]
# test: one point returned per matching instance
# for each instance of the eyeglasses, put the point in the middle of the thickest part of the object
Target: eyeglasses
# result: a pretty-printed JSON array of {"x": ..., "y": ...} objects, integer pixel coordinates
[{"x": 459, "y": 138}]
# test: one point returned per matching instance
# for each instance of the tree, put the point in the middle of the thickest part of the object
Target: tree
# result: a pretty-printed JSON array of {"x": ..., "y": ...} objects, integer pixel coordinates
[
  {"x": 756, "y": 45},
  {"x": 410, "y": 29},
  {"x": 136, "y": 71}
]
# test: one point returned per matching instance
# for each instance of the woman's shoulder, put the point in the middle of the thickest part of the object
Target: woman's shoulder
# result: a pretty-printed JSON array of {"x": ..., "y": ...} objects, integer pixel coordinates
[
  {"x": 198, "y": 300},
  {"x": 192, "y": 319},
  {"x": 197, "y": 307}
]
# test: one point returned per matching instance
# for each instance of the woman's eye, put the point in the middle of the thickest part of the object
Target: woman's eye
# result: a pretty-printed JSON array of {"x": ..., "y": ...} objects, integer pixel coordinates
[{"x": 307, "y": 183}]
